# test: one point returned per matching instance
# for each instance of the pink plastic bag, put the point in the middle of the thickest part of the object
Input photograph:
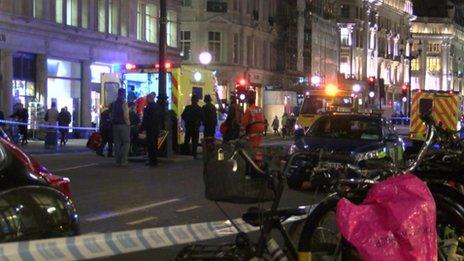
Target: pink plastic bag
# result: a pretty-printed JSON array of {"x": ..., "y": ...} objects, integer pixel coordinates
[{"x": 396, "y": 221}]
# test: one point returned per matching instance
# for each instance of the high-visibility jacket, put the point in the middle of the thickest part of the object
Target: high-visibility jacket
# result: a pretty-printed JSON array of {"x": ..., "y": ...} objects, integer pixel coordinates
[{"x": 253, "y": 124}]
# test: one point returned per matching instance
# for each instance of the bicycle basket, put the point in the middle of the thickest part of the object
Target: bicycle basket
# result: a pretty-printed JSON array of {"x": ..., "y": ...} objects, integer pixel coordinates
[{"x": 227, "y": 182}]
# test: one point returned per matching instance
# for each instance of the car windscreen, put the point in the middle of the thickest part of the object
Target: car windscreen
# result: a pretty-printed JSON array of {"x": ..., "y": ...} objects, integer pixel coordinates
[
  {"x": 347, "y": 128},
  {"x": 316, "y": 104}
]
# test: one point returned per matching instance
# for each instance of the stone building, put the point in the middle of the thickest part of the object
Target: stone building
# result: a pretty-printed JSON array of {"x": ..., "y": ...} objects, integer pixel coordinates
[
  {"x": 56, "y": 50},
  {"x": 308, "y": 42},
  {"x": 371, "y": 34},
  {"x": 439, "y": 33},
  {"x": 240, "y": 35}
]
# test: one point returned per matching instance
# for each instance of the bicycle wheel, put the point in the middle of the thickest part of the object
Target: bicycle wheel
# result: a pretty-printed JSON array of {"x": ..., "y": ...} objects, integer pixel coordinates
[
  {"x": 321, "y": 240},
  {"x": 450, "y": 223}
]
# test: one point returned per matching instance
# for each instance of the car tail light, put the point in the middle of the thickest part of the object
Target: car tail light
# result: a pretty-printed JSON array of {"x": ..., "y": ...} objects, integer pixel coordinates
[{"x": 37, "y": 170}]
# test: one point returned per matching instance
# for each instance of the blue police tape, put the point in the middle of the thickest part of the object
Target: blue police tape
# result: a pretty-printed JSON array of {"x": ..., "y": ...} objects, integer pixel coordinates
[
  {"x": 44, "y": 126},
  {"x": 91, "y": 246}
]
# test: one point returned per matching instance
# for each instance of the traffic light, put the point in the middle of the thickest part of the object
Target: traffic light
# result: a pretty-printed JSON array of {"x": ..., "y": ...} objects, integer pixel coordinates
[
  {"x": 404, "y": 90},
  {"x": 371, "y": 83},
  {"x": 241, "y": 89}
]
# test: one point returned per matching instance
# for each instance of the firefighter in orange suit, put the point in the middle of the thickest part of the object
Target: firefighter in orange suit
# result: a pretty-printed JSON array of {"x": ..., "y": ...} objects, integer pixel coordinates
[{"x": 253, "y": 121}]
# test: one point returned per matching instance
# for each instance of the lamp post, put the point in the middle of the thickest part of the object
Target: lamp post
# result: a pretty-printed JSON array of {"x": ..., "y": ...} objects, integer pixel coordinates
[
  {"x": 205, "y": 59},
  {"x": 410, "y": 56}
]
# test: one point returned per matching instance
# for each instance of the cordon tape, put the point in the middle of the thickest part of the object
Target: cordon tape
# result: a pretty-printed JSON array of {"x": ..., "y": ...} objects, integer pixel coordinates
[
  {"x": 92, "y": 246},
  {"x": 45, "y": 126}
]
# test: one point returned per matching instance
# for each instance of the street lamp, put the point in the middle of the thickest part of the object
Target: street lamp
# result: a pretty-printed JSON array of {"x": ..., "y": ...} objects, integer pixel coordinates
[
  {"x": 411, "y": 56},
  {"x": 205, "y": 58}
]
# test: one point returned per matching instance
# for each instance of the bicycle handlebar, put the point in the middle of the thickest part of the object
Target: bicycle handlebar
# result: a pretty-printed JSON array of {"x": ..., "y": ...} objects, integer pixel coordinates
[{"x": 252, "y": 163}]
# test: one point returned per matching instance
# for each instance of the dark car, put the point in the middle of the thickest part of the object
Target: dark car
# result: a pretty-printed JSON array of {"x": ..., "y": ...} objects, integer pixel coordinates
[
  {"x": 36, "y": 212},
  {"x": 350, "y": 138},
  {"x": 34, "y": 203}
]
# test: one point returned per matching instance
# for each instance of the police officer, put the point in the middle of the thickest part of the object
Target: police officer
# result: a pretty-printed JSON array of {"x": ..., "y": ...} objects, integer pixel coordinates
[
  {"x": 152, "y": 116},
  {"x": 193, "y": 117},
  {"x": 106, "y": 131},
  {"x": 253, "y": 121},
  {"x": 209, "y": 117}
]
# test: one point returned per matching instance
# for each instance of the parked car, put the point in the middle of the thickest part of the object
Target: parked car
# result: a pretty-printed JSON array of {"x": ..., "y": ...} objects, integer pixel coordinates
[
  {"x": 19, "y": 169},
  {"x": 36, "y": 212},
  {"x": 348, "y": 138}
]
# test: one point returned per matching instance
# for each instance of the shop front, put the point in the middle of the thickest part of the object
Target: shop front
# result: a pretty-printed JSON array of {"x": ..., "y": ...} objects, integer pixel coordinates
[{"x": 64, "y": 85}]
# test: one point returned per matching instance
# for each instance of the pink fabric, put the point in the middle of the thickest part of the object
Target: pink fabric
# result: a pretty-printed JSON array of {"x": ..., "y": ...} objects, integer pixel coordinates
[{"x": 396, "y": 221}]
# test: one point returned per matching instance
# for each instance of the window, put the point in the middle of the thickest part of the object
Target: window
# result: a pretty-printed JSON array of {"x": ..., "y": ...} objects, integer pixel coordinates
[
  {"x": 59, "y": 11},
  {"x": 151, "y": 23},
  {"x": 415, "y": 65},
  {"x": 236, "y": 5},
  {"x": 433, "y": 64},
  {"x": 85, "y": 13},
  {"x": 64, "y": 86},
  {"x": 6, "y": 6},
  {"x": 141, "y": 21},
  {"x": 147, "y": 22},
  {"x": 236, "y": 53},
  {"x": 71, "y": 12},
  {"x": 434, "y": 47},
  {"x": 113, "y": 16},
  {"x": 101, "y": 7},
  {"x": 172, "y": 29},
  {"x": 249, "y": 51},
  {"x": 124, "y": 18},
  {"x": 265, "y": 55},
  {"x": 345, "y": 36},
  {"x": 345, "y": 11},
  {"x": 214, "y": 45},
  {"x": 217, "y": 6},
  {"x": 21, "y": 8},
  {"x": 38, "y": 9},
  {"x": 186, "y": 44},
  {"x": 187, "y": 3}
]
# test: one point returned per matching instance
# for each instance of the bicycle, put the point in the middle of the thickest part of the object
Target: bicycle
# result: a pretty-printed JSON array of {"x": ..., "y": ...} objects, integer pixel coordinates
[
  {"x": 321, "y": 240},
  {"x": 268, "y": 220}
]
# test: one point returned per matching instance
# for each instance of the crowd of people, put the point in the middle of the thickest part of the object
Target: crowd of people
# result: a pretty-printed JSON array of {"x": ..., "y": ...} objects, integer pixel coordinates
[
  {"x": 52, "y": 118},
  {"x": 288, "y": 125}
]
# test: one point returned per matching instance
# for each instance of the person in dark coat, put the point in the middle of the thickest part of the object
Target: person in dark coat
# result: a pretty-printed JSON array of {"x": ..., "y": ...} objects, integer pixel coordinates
[
  {"x": 209, "y": 117},
  {"x": 192, "y": 117},
  {"x": 134, "y": 127},
  {"x": 233, "y": 120},
  {"x": 151, "y": 123},
  {"x": 64, "y": 119},
  {"x": 21, "y": 115},
  {"x": 106, "y": 131}
]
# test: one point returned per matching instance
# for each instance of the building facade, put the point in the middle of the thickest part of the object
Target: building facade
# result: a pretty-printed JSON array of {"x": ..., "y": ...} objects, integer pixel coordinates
[
  {"x": 308, "y": 43},
  {"x": 371, "y": 34},
  {"x": 439, "y": 33},
  {"x": 56, "y": 50},
  {"x": 240, "y": 35}
]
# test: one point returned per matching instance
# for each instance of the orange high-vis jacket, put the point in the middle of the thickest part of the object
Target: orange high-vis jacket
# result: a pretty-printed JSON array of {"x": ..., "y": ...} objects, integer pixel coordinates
[{"x": 253, "y": 123}]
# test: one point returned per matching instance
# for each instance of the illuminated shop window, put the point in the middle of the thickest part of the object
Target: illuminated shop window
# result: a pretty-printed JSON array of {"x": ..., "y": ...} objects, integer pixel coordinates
[{"x": 433, "y": 64}]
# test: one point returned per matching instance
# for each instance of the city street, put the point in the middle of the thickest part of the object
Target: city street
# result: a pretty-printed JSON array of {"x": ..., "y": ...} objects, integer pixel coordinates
[{"x": 111, "y": 198}]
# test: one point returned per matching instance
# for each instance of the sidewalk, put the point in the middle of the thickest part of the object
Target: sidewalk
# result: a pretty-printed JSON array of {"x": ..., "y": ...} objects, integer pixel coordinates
[{"x": 73, "y": 146}]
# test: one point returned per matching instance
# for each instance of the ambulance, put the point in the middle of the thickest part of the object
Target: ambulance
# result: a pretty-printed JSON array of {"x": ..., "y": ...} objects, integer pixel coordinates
[
  {"x": 446, "y": 108},
  {"x": 319, "y": 101},
  {"x": 141, "y": 80}
]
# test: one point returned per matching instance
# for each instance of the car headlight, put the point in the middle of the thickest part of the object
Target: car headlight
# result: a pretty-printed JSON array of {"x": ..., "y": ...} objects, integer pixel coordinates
[{"x": 375, "y": 154}]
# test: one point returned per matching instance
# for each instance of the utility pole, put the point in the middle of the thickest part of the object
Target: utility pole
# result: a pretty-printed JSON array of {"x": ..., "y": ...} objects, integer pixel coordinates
[{"x": 163, "y": 97}]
